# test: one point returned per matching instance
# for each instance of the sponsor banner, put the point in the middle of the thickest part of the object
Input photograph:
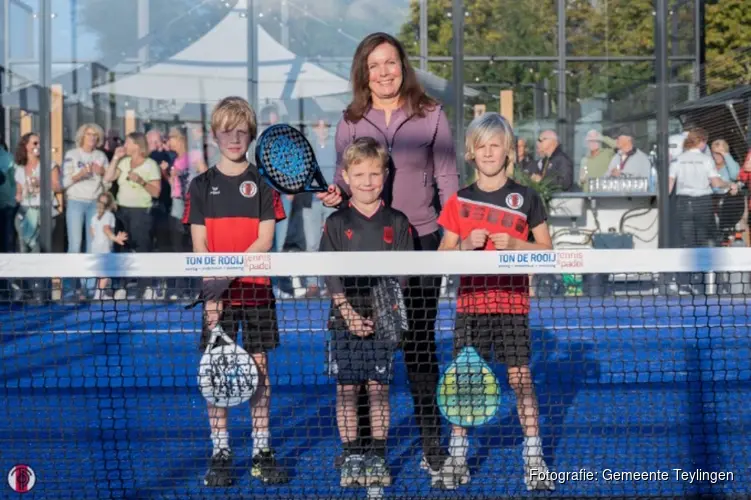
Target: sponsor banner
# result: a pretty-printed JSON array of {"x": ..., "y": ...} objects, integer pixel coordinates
[
  {"x": 560, "y": 259},
  {"x": 231, "y": 263}
]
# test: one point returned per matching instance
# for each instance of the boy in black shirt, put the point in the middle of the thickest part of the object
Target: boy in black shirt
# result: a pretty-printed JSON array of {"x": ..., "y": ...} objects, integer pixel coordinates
[{"x": 359, "y": 350}]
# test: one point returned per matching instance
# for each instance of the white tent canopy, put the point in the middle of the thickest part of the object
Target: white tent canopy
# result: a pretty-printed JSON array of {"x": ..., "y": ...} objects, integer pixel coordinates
[{"x": 215, "y": 66}]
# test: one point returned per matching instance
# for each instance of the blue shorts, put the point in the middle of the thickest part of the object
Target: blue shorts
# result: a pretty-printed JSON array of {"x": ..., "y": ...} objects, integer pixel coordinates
[{"x": 353, "y": 360}]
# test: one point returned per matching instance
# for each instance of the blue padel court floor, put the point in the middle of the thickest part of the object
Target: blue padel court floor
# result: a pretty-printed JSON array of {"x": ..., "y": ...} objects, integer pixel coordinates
[{"x": 101, "y": 401}]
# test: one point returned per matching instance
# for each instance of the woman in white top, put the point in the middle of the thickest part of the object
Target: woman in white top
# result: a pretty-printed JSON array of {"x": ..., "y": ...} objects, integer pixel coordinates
[
  {"x": 693, "y": 175},
  {"x": 28, "y": 193},
  {"x": 83, "y": 169}
]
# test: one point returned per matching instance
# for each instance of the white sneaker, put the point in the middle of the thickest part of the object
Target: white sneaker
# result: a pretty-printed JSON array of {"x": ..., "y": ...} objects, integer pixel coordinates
[
  {"x": 443, "y": 478},
  {"x": 148, "y": 293},
  {"x": 537, "y": 475},
  {"x": 121, "y": 294}
]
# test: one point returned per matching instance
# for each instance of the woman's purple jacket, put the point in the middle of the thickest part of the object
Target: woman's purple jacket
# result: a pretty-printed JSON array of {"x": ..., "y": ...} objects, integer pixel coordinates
[{"x": 423, "y": 155}]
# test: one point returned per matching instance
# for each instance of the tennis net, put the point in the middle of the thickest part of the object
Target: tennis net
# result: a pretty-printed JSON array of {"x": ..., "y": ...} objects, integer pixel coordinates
[{"x": 640, "y": 361}]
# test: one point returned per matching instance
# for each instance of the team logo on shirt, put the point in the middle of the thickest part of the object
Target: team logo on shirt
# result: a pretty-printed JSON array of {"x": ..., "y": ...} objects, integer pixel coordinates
[
  {"x": 388, "y": 235},
  {"x": 248, "y": 189},
  {"x": 514, "y": 201}
]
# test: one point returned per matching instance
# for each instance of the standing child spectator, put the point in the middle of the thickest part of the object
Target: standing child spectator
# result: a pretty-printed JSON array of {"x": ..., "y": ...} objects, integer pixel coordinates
[
  {"x": 492, "y": 312},
  {"x": 102, "y": 233},
  {"x": 358, "y": 354}
]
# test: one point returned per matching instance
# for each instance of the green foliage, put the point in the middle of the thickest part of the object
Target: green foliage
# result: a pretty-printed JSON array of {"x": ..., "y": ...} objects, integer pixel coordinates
[
  {"x": 545, "y": 187},
  {"x": 728, "y": 38}
]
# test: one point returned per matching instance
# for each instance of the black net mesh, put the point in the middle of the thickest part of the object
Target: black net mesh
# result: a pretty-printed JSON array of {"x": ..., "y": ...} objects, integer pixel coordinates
[{"x": 629, "y": 385}]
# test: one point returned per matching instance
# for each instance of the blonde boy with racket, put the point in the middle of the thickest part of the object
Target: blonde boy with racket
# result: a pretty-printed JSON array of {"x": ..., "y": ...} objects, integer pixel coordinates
[
  {"x": 233, "y": 210},
  {"x": 495, "y": 213}
]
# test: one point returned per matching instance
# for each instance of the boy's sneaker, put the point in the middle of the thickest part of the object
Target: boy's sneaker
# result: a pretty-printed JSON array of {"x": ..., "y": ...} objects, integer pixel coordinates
[
  {"x": 267, "y": 470},
  {"x": 536, "y": 475},
  {"x": 442, "y": 478},
  {"x": 376, "y": 471},
  {"x": 352, "y": 471},
  {"x": 220, "y": 470},
  {"x": 457, "y": 466}
]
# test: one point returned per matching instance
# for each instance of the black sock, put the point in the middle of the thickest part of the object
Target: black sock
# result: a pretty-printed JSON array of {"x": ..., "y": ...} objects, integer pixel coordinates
[
  {"x": 379, "y": 447},
  {"x": 350, "y": 448}
]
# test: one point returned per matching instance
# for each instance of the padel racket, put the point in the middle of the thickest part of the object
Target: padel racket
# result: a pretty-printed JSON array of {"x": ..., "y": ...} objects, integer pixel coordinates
[
  {"x": 227, "y": 374},
  {"x": 389, "y": 310},
  {"x": 287, "y": 161},
  {"x": 468, "y": 391}
]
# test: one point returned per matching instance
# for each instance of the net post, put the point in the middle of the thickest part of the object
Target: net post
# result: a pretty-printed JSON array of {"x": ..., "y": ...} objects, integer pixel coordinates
[
  {"x": 710, "y": 283},
  {"x": 663, "y": 117}
]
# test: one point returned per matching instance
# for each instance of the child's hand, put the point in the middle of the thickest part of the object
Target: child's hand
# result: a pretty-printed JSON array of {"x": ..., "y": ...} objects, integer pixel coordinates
[
  {"x": 503, "y": 241},
  {"x": 358, "y": 325},
  {"x": 476, "y": 239},
  {"x": 121, "y": 237},
  {"x": 332, "y": 197}
]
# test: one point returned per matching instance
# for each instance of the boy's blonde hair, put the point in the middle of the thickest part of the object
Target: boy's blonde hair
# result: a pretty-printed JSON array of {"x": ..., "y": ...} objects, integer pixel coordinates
[
  {"x": 364, "y": 148},
  {"x": 231, "y": 112},
  {"x": 485, "y": 126}
]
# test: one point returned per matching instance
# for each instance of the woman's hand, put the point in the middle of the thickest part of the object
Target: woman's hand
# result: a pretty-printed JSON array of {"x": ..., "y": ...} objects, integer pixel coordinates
[
  {"x": 134, "y": 177},
  {"x": 332, "y": 197}
]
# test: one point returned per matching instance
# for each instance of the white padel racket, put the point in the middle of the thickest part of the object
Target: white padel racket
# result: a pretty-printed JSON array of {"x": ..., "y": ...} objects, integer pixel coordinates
[{"x": 227, "y": 374}]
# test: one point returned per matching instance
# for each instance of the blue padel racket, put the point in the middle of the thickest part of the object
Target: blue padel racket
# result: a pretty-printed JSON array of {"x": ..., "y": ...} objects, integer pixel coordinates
[
  {"x": 287, "y": 161},
  {"x": 468, "y": 391}
]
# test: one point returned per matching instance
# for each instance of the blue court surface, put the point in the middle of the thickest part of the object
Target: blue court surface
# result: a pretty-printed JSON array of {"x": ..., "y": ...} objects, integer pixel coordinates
[{"x": 102, "y": 402}]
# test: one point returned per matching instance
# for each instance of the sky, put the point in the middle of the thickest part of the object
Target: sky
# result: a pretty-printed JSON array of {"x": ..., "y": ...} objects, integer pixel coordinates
[{"x": 23, "y": 44}]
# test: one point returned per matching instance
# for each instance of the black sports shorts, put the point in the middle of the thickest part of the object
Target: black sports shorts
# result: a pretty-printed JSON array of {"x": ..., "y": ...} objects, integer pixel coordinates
[
  {"x": 504, "y": 338},
  {"x": 259, "y": 327}
]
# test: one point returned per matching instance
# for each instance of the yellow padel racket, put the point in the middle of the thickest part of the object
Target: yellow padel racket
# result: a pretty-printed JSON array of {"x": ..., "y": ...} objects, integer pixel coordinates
[{"x": 468, "y": 391}]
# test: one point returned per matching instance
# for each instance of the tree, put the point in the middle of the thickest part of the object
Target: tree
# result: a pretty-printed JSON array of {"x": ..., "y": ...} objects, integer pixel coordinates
[{"x": 728, "y": 38}]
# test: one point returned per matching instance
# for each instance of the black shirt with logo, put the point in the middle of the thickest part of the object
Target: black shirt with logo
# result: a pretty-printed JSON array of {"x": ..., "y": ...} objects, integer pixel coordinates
[{"x": 349, "y": 230}]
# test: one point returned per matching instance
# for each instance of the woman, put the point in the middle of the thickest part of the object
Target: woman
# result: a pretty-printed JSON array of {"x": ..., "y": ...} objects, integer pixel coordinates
[
  {"x": 83, "y": 168},
  {"x": 186, "y": 166},
  {"x": 693, "y": 175},
  {"x": 28, "y": 196},
  {"x": 390, "y": 105},
  {"x": 721, "y": 146},
  {"x": 28, "y": 218},
  {"x": 139, "y": 182}
]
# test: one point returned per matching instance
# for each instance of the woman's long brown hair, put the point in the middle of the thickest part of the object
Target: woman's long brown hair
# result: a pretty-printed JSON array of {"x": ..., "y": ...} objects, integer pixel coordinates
[
  {"x": 21, "y": 156},
  {"x": 413, "y": 98}
]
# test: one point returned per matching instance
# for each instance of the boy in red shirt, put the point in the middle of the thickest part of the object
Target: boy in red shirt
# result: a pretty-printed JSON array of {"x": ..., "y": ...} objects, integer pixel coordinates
[
  {"x": 496, "y": 213},
  {"x": 233, "y": 210}
]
